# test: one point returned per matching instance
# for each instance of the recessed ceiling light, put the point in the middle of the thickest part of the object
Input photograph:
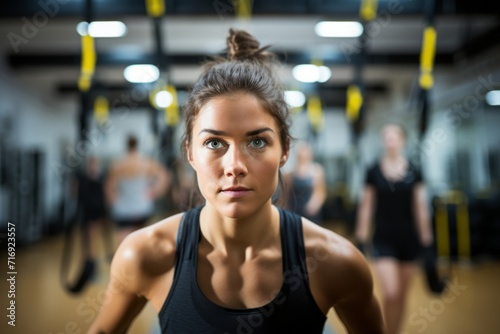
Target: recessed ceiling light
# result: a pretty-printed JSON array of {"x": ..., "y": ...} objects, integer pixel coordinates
[
  {"x": 306, "y": 73},
  {"x": 324, "y": 74},
  {"x": 295, "y": 98},
  {"x": 163, "y": 99},
  {"x": 338, "y": 29},
  {"x": 102, "y": 28},
  {"x": 493, "y": 98},
  {"x": 141, "y": 73},
  {"x": 311, "y": 73}
]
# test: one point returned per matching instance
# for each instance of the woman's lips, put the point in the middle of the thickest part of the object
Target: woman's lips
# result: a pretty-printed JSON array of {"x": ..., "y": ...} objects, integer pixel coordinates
[{"x": 236, "y": 192}]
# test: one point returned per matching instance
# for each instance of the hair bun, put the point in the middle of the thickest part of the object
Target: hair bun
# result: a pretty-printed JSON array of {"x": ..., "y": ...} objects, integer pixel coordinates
[{"x": 243, "y": 46}]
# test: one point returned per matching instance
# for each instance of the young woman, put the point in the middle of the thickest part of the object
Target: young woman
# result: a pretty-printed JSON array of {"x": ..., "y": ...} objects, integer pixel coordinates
[
  {"x": 394, "y": 196},
  {"x": 306, "y": 185},
  {"x": 238, "y": 264}
]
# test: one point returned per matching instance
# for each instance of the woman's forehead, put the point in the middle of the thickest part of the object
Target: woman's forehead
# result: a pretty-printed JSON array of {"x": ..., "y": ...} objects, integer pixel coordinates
[
  {"x": 234, "y": 112},
  {"x": 392, "y": 128}
]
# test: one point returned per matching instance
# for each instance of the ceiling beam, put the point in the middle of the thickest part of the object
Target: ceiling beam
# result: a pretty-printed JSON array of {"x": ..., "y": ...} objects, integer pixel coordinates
[
  {"x": 331, "y": 95},
  {"x": 479, "y": 44},
  {"x": 18, "y": 61},
  {"x": 225, "y": 8}
]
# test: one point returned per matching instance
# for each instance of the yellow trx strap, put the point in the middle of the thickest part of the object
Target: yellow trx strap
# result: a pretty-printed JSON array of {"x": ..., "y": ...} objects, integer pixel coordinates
[
  {"x": 101, "y": 109},
  {"x": 463, "y": 232},
  {"x": 243, "y": 8},
  {"x": 172, "y": 111},
  {"x": 458, "y": 199},
  {"x": 368, "y": 9},
  {"x": 88, "y": 63},
  {"x": 155, "y": 8},
  {"x": 427, "y": 54},
  {"x": 442, "y": 231},
  {"x": 354, "y": 102},
  {"x": 315, "y": 112}
]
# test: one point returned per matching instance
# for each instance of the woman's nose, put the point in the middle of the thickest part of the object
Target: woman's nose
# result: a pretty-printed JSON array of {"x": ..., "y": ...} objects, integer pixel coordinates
[{"x": 234, "y": 162}]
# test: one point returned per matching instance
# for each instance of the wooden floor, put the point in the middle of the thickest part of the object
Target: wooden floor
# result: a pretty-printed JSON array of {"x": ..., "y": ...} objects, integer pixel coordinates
[{"x": 471, "y": 305}]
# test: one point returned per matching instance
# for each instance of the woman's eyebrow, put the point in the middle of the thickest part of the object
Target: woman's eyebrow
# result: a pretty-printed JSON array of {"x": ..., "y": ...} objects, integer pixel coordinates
[
  {"x": 214, "y": 132},
  {"x": 256, "y": 132},
  {"x": 223, "y": 133}
]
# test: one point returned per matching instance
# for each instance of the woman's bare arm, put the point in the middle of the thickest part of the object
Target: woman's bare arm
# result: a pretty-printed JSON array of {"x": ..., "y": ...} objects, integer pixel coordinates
[
  {"x": 162, "y": 179},
  {"x": 123, "y": 300},
  {"x": 110, "y": 184},
  {"x": 346, "y": 283},
  {"x": 422, "y": 215},
  {"x": 341, "y": 278},
  {"x": 359, "y": 310}
]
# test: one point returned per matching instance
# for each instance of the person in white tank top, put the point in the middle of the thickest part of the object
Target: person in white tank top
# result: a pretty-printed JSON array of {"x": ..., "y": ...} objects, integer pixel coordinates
[{"x": 134, "y": 183}]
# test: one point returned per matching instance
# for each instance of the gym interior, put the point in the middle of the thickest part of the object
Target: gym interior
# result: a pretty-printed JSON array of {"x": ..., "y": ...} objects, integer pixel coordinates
[{"x": 69, "y": 92}]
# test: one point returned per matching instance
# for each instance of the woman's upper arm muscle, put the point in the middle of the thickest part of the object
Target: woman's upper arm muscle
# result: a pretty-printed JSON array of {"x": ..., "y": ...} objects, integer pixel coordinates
[
  {"x": 357, "y": 306},
  {"x": 124, "y": 295},
  {"x": 347, "y": 283},
  {"x": 143, "y": 258}
]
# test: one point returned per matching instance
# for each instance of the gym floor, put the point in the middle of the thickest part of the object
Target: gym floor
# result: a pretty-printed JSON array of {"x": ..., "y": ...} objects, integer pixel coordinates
[{"x": 470, "y": 305}]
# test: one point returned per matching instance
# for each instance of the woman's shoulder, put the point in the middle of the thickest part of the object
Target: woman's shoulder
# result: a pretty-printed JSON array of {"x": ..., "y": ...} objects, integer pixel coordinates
[
  {"x": 334, "y": 262},
  {"x": 336, "y": 256},
  {"x": 147, "y": 252},
  {"x": 318, "y": 238}
]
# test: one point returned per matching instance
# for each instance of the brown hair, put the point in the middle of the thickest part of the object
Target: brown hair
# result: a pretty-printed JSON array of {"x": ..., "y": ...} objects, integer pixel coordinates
[
  {"x": 247, "y": 69},
  {"x": 131, "y": 143}
]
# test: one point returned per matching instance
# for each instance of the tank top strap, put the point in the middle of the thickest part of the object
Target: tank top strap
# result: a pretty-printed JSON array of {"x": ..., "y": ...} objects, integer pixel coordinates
[
  {"x": 292, "y": 238},
  {"x": 187, "y": 238}
]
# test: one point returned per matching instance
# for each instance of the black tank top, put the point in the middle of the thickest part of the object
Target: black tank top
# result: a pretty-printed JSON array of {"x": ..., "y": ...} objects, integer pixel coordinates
[{"x": 293, "y": 310}]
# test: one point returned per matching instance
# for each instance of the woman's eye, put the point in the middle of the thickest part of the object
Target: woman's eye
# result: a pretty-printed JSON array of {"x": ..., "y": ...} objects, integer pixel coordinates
[
  {"x": 258, "y": 143},
  {"x": 213, "y": 144}
]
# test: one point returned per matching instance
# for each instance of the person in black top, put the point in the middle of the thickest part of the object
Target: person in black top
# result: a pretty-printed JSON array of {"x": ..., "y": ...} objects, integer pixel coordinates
[
  {"x": 237, "y": 263},
  {"x": 89, "y": 185},
  {"x": 394, "y": 198},
  {"x": 306, "y": 185}
]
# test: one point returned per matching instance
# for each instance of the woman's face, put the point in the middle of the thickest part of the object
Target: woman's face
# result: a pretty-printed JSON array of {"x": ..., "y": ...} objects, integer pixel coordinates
[
  {"x": 236, "y": 153},
  {"x": 393, "y": 138}
]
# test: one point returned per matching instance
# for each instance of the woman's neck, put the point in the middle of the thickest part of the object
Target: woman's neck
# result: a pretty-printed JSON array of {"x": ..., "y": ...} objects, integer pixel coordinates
[
  {"x": 242, "y": 238},
  {"x": 393, "y": 156}
]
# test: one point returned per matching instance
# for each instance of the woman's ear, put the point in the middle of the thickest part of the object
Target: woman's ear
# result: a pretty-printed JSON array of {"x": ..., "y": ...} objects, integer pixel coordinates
[
  {"x": 189, "y": 154},
  {"x": 283, "y": 160},
  {"x": 286, "y": 153}
]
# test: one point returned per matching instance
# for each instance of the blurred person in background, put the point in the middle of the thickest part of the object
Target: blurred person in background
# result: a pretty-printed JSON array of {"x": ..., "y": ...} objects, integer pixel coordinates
[
  {"x": 134, "y": 183},
  {"x": 394, "y": 198},
  {"x": 306, "y": 189},
  {"x": 89, "y": 185}
]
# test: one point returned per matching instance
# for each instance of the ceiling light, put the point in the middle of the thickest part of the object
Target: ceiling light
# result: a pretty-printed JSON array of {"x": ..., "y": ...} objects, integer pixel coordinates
[
  {"x": 102, "y": 28},
  {"x": 163, "y": 99},
  {"x": 295, "y": 98},
  {"x": 141, "y": 73},
  {"x": 493, "y": 98},
  {"x": 324, "y": 74},
  {"x": 311, "y": 73},
  {"x": 338, "y": 29},
  {"x": 306, "y": 73}
]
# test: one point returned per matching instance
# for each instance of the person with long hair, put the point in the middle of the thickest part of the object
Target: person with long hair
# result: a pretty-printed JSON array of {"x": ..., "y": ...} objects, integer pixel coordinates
[
  {"x": 306, "y": 185},
  {"x": 237, "y": 263},
  {"x": 394, "y": 198}
]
